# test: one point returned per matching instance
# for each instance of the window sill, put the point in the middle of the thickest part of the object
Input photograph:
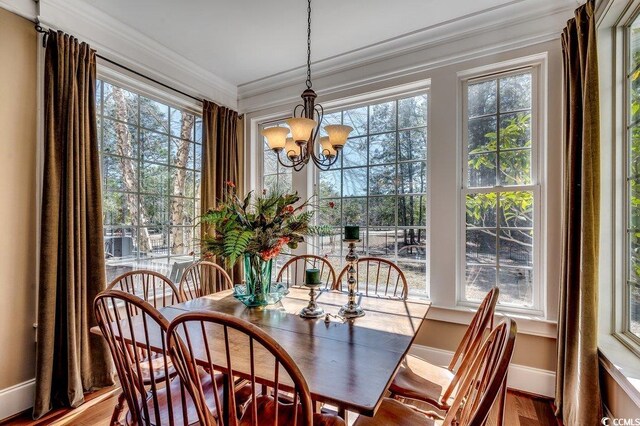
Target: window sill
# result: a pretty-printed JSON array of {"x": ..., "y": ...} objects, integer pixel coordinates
[
  {"x": 527, "y": 324},
  {"x": 622, "y": 364}
]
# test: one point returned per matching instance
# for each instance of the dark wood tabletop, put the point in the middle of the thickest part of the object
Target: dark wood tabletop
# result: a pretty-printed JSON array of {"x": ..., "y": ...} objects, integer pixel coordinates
[{"x": 349, "y": 364}]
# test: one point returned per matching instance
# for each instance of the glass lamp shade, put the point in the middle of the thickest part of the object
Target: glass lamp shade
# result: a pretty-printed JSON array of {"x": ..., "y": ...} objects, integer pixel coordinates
[
  {"x": 276, "y": 137},
  {"x": 291, "y": 148},
  {"x": 338, "y": 134},
  {"x": 301, "y": 128},
  {"x": 325, "y": 147}
]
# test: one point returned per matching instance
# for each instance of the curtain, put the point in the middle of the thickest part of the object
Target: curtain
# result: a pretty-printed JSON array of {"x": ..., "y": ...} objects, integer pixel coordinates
[
  {"x": 577, "y": 389},
  {"x": 70, "y": 360},
  {"x": 222, "y": 148}
]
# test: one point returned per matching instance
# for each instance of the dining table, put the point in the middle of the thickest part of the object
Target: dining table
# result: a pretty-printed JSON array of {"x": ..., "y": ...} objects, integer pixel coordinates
[{"x": 348, "y": 363}]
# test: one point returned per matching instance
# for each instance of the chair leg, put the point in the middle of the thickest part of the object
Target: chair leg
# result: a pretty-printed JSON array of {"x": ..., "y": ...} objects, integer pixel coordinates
[
  {"x": 117, "y": 410},
  {"x": 343, "y": 414},
  {"x": 502, "y": 402}
]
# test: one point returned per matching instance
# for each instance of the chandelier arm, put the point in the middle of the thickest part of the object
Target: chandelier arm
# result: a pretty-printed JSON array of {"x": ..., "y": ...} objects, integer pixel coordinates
[
  {"x": 295, "y": 110},
  {"x": 325, "y": 164},
  {"x": 317, "y": 108},
  {"x": 283, "y": 164}
]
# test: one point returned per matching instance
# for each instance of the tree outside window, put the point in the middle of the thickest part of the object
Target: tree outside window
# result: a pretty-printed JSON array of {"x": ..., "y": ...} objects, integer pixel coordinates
[
  {"x": 499, "y": 191},
  {"x": 380, "y": 184},
  {"x": 151, "y": 154}
]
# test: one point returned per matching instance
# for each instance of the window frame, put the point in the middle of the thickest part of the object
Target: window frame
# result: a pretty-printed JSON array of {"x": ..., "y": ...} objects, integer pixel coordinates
[
  {"x": 311, "y": 173},
  {"x": 538, "y": 99},
  {"x": 622, "y": 307},
  {"x": 111, "y": 76},
  {"x": 397, "y": 163}
]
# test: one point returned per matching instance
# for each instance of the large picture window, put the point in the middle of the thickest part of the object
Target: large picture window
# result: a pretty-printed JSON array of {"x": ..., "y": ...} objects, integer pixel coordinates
[
  {"x": 500, "y": 191},
  {"x": 151, "y": 155},
  {"x": 380, "y": 183},
  {"x": 632, "y": 275}
]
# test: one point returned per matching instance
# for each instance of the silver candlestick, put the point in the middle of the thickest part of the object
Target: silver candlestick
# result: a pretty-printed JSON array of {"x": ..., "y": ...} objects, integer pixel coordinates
[
  {"x": 351, "y": 309},
  {"x": 312, "y": 310}
]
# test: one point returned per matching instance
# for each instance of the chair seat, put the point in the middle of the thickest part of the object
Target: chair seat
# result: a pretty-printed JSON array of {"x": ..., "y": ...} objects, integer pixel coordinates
[
  {"x": 266, "y": 414},
  {"x": 156, "y": 363},
  {"x": 423, "y": 381},
  {"x": 392, "y": 412},
  {"x": 183, "y": 414},
  {"x": 187, "y": 415}
]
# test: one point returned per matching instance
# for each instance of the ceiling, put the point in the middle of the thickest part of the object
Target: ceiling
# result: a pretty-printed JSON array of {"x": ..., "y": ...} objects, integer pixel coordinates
[{"x": 246, "y": 40}]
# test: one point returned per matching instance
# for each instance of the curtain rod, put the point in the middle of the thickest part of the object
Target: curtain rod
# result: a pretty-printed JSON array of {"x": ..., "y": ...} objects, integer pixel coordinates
[{"x": 42, "y": 30}]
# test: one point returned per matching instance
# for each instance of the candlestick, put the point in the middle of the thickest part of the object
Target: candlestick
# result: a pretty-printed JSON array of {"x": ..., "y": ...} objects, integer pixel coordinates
[
  {"x": 351, "y": 232},
  {"x": 312, "y": 280},
  {"x": 312, "y": 276},
  {"x": 352, "y": 309}
]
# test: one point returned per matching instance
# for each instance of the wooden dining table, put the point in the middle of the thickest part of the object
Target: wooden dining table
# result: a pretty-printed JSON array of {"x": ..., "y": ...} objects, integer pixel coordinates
[{"x": 348, "y": 364}]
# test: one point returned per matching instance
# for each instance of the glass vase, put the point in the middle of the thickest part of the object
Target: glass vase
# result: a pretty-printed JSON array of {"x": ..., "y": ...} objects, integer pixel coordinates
[{"x": 257, "y": 291}]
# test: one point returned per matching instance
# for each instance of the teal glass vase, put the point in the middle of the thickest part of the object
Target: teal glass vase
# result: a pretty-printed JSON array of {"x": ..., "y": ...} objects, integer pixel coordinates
[{"x": 257, "y": 274}]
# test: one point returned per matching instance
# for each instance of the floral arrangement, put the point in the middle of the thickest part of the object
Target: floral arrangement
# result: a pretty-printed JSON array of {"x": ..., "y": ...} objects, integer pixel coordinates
[{"x": 259, "y": 226}]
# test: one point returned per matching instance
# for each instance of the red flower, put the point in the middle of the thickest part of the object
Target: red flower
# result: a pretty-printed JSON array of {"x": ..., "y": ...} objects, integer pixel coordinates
[
  {"x": 332, "y": 204},
  {"x": 274, "y": 251},
  {"x": 207, "y": 256},
  {"x": 231, "y": 184},
  {"x": 288, "y": 210}
]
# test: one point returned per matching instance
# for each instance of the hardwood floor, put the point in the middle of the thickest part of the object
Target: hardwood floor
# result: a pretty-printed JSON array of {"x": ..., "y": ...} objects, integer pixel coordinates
[{"x": 521, "y": 410}]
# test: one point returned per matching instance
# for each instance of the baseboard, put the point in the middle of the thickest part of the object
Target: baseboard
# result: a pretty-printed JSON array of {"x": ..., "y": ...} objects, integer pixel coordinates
[
  {"x": 17, "y": 398},
  {"x": 521, "y": 377}
]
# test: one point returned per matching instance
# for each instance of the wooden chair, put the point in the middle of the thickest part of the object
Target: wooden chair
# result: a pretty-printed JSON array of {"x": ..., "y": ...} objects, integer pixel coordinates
[
  {"x": 150, "y": 286},
  {"x": 152, "y": 396},
  {"x": 420, "y": 380},
  {"x": 293, "y": 272},
  {"x": 222, "y": 343},
  {"x": 482, "y": 386},
  {"x": 376, "y": 277},
  {"x": 204, "y": 278},
  {"x": 177, "y": 270}
]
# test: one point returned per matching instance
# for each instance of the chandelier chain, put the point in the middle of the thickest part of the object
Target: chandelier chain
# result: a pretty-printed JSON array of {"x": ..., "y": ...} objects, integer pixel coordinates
[{"x": 308, "y": 44}]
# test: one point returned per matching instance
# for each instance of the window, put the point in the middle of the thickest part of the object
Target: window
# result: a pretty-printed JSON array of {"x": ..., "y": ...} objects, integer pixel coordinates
[
  {"x": 631, "y": 321},
  {"x": 500, "y": 191},
  {"x": 380, "y": 183},
  {"x": 151, "y": 155},
  {"x": 275, "y": 176}
]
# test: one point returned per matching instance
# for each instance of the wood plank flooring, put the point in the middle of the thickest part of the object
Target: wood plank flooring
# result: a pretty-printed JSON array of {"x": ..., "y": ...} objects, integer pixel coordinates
[{"x": 521, "y": 410}]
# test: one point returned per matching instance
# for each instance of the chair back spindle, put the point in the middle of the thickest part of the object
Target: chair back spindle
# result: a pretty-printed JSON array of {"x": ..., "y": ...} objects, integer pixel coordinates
[
  {"x": 376, "y": 277},
  {"x": 237, "y": 349},
  {"x": 204, "y": 278},
  {"x": 484, "y": 382},
  {"x": 293, "y": 272},
  {"x": 152, "y": 397},
  {"x": 150, "y": 286}
]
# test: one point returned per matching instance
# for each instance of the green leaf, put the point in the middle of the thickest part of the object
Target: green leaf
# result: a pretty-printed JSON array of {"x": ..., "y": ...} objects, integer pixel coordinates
[{"x": 235, "y": 244}]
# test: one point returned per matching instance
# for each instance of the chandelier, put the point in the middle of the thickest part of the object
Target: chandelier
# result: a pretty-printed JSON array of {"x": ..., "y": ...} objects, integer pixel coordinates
[{"x": 304, "y": 126}]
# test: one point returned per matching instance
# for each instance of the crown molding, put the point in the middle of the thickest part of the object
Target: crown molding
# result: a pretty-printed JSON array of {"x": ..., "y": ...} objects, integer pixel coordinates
[
  {"x": 126, "y": 46},
  {"x": 485, "y": 33},
  {"x": 25, "y": 8}
]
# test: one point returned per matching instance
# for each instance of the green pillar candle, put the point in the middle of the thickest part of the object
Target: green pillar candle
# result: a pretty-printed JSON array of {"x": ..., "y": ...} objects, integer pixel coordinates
[
  {"x": 351, "y": 232},
  {"x": 312, "y": 276}
]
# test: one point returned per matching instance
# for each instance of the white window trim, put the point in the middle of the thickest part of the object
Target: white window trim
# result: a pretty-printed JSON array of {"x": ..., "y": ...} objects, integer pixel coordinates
[
  {"x": 619, "y": 308},
  {"x": 538, "y": 66},
  {"x": 617, "y": 352}
]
